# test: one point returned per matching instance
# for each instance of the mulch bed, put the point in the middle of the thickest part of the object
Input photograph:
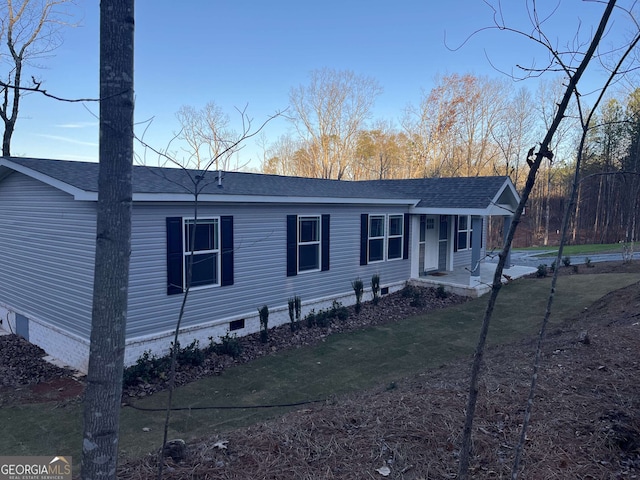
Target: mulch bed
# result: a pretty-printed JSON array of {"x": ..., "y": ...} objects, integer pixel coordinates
[{"x": 25, "y": 377}]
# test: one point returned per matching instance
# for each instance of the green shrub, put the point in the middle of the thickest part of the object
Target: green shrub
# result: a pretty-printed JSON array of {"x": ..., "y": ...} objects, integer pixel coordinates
[
  {"x": 298, "y": 308},
  {"x": 146, "y": 368},
  {"x": 264, "y": 323},
  {"x": 416, "y": 299},
  {"x": 566, "y": 261},
  {"x": 553, "y": 266},
  {"x": 310, "y": 319},
  {"x": 339, "y": 311},
  {"x": 409, "y": 291},
  {"x": 294, "y": 313},
  {"x": 441, "y": 292},
  {"x": 542, "y": 271},
  {"x": 375, "y": 288},
  {"x": 149, "y": 367},
  {"x": 229, "y": 345},
  {"x": 358, "y": 288},
  {"x": 323, "y": 318},
  {"x": 189, "y": 355}
]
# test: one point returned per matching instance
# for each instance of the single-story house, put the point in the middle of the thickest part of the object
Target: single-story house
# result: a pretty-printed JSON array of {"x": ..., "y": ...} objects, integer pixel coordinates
[{"x": 258, "y": 240}]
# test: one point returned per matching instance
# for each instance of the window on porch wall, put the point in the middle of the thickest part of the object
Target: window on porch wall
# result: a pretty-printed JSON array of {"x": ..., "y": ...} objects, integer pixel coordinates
[{"x": 463, "y": 233}]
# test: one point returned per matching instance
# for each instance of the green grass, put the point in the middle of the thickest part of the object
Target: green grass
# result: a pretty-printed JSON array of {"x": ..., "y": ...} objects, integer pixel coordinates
[
  {"x": 343, "y": 363},
  {"x": 591, "y": 249}
]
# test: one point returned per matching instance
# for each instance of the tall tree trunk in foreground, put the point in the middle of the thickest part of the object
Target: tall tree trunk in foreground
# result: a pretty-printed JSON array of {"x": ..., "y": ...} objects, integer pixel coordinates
[
  {"x": 113, "y": 242},
  {"x": 465, "y": 450},
  {"x": 571, "y": 208}
]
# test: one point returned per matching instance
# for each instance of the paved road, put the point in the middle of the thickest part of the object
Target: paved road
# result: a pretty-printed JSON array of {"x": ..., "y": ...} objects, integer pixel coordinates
[{"x": 533, "y": 259}]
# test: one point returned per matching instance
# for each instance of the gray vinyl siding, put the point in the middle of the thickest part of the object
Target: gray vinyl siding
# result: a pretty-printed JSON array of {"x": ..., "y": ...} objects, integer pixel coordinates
[
  {"x": 47, "y": 247},
  {"x": 259, "y": 261},
  {"x": 462, "y": 258}
]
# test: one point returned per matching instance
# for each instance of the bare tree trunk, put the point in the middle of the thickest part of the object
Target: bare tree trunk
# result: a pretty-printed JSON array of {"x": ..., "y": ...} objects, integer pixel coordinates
[
  {"x": 6, "y": 138},
  {"x": 547, "y": 209},
  {"x": 576, "y": 217},
  {"x": 113, "y": 242},
  {"x": 465, "y": 450},
  {"x": 10, "y": 115},
  {"x": 534, "y": 378}
]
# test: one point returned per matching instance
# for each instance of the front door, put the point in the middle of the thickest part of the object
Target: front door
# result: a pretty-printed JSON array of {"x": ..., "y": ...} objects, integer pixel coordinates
[{"x": 431, "y": 243}]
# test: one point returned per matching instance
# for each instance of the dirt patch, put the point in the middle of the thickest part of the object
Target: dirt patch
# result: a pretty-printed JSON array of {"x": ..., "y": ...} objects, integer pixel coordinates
[{"x": 25, "y": 377}]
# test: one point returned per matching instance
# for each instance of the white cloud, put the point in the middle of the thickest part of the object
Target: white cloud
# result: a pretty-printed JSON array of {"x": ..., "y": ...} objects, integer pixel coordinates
[
  {"x": 69, "y": 140},
  {"x": 78, "y": 125}
]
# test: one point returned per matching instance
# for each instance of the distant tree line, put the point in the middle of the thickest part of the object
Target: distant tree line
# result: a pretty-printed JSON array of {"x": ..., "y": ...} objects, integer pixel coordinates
[{"x": 469, "y": 126}]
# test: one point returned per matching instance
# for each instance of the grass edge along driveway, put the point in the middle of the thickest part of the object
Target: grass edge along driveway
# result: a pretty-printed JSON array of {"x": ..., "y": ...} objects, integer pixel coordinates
[{"x": 341, "y": 364}]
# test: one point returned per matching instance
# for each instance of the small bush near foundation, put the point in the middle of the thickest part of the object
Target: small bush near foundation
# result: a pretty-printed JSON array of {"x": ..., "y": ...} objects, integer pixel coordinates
[
  {"x": 441, "y": 293},
  {"x": 310, "y": 319},
  {"x": 339, "y": 311},
  {"x": 409, "y": 291},
  {"x": 416, "y": 299},
  {"x": 375, "y": 288},
  {"x": 189, "y": 355},
  {"x": 566, "y": 261},
  {"x": 323, "y": 318},
  {"x": 542, "y": 271},
  {"x": 264, "y": 323},
  {"x": 146, "y": 368},
  {"x": 229, "y": 345},
  {"x": 358, "y": 288},
  {"x": 295, "y": 307}
]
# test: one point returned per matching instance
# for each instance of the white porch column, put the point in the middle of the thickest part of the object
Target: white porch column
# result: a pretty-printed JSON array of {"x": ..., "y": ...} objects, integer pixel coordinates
[
  {"x": 476, "y": 242},
  {"x": 505, "y": 228},
  {"x": 414, "y": 246}
]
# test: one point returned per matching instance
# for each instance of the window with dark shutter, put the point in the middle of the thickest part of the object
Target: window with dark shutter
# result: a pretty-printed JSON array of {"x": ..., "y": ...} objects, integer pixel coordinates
[
  {"x": 175, "y": 254},
  {"x": 226, "y": 245},
  {"x": 308, "y": 245},
  {"x": 364, "y": 238},
  {"x": 200, "y": 251}
]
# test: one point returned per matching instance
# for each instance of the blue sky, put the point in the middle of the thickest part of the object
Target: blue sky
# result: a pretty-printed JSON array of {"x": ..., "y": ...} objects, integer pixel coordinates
[{"x": 241, "y": 53}]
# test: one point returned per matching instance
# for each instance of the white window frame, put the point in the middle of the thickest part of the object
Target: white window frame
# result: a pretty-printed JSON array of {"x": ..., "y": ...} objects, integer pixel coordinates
[
  {"x": 186, "y": 250},
  {"x": 383, "y": 237},
  {"x": 466, "y": 232},
  {"x": 318, "y": 241},
  {"x": 399, "y": 216}
]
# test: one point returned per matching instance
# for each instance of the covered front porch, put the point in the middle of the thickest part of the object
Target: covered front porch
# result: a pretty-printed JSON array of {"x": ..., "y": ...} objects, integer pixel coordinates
[{"x": 461, "y": 282}]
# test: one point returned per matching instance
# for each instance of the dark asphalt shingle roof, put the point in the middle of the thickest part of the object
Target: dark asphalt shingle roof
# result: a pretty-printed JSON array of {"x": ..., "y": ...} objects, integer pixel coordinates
[{"x": 463, "y": 192}]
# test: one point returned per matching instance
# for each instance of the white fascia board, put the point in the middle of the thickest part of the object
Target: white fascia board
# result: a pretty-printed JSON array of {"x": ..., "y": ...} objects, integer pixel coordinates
[
  {"x": 187, "y": 197},
  {"x": 491, "y": 210},
  {"x": 508, "y": 185},
  {"x": 449, "y": 211},
  {"x": 501, "y": 210},
  {"x": 77, "y": 193}
]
